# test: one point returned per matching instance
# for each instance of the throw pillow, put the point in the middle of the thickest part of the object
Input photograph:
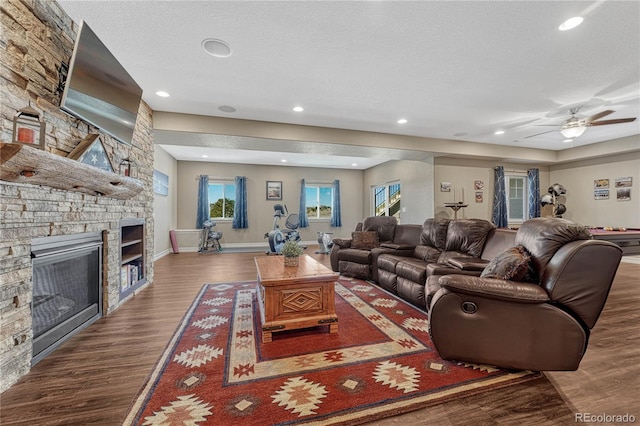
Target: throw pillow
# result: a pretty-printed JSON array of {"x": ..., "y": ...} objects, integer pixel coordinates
[
  {"x": 512, "y": 264},
  {"x": 364, "y": 240}
]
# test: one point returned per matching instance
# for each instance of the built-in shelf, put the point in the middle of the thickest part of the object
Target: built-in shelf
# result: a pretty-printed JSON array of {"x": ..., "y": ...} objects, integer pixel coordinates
[
  {"x": 24, "y": 164},
  {"x": 132, "y": 264}
]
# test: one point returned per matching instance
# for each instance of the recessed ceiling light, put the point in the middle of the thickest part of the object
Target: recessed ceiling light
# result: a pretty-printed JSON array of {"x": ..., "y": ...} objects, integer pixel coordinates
[
  {"x": 204, "y": 156},
  {"x": 567, "y": 140},
  {"x": 402, "y": 121},
  {"x": 499, "y": 132},
  {"x": 162, "y": 94},
  {"x": 283, "y": 161},
  {"x": 571, "y": 23},
  {"x": 216, "y": 47},
  {"x": 354, "y": 164},
  {"x": 298, "y": 109},
  {"x": 227, "y": 108}
]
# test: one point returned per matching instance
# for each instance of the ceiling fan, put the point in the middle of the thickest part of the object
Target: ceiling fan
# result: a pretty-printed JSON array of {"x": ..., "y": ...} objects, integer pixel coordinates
[{"x": 576, "y": 125}]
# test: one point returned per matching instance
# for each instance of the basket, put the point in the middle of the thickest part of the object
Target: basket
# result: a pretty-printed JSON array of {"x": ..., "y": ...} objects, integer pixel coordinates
[{"x": 291, "y": 261}]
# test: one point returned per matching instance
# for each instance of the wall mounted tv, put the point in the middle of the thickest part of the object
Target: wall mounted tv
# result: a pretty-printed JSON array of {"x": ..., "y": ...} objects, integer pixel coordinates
[{"x": 99, "y": 90}]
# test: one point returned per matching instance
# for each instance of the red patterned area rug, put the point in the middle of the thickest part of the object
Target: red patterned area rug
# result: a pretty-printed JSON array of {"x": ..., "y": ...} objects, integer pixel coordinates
[{"x": 381, "y": 362}]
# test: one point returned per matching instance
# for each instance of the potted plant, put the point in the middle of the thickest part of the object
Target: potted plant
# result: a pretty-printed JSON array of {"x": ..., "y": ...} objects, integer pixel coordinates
[{"x": 291, "y": 250}]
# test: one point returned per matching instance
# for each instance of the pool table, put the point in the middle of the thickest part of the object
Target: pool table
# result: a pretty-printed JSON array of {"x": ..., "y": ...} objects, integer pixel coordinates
[{"x": 627, "y": 238}]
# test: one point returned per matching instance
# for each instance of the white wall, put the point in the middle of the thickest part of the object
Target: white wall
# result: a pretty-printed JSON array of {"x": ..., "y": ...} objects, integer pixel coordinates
[
  {"x": 416, "y": 183},
  {"x": 260, "y": 210},
  {"x": 578, "y": 179},
  {"x": 165, "y": 207}
]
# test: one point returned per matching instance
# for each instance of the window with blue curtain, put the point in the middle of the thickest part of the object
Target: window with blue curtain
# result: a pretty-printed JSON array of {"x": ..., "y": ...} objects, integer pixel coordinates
[
  {"x": 303, "y": 221},
  {"x": 240, "y": 219},
  {"x": 203, "y": 201},
  {"x": 336, "y": 217}
]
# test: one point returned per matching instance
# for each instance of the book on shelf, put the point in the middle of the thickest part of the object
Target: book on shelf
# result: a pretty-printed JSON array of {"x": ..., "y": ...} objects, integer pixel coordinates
[{"x": 124, "y": 276}]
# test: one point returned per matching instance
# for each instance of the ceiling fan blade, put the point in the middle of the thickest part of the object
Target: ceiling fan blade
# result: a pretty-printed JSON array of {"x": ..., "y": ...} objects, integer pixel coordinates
[
  {"x": 538, "y": 134},
  {"x": 599, "y": 115},
  {"x": 616, "y": 121}
]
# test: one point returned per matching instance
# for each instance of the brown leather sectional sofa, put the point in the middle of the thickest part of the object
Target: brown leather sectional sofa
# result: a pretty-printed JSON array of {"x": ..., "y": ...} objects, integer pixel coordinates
[{"x": 519, "y": 300}]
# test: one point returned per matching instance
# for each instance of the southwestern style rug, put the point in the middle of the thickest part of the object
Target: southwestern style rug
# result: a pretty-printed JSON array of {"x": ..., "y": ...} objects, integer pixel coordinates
[{"x": 216, "y": 370}]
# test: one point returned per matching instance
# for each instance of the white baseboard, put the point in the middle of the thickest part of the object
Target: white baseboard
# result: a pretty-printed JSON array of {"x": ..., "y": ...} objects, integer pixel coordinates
[
  {"x": 161, "y": 254},
  {"x": 631, "y": 259}
]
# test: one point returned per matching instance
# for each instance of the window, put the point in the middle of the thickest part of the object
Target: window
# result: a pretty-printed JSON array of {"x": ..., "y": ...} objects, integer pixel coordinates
[
  {"x": 517, "y": 198},
  {"x": 222, "y": 199},
  {"x": 386, "y": 200},
  {"x": 319, "y": 201}
]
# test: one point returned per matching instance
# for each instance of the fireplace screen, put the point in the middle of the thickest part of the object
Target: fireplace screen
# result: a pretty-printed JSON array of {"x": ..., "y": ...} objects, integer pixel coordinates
[{"x": 66, "y": 288}]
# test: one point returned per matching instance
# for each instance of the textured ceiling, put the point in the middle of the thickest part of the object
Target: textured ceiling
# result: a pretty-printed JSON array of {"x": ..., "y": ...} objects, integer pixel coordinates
[{"x": 454, "y": 70}]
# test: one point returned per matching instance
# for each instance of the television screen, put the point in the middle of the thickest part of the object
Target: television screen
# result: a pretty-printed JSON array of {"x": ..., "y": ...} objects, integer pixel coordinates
[{"x": 99, "y": 90}]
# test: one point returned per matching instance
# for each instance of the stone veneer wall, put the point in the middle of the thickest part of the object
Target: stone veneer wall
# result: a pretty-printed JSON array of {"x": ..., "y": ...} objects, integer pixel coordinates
[{"x": 36, "y": 37}]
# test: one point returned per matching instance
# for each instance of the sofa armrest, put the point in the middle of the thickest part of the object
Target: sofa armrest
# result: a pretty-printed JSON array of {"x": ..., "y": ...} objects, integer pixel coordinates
[
  {"x": 342, "y": 242},
  {"x": 468, "y": 263},
  {"x": 512, "y": 291},
  {"x": 395, "y": 246}
]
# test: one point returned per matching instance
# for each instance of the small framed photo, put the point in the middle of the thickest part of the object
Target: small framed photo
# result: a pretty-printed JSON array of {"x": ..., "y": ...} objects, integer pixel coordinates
[
  {"x": 601, "y": 184},
  {"x": 624, "y": 182},
  {"x": 623, "y": 194},
  {"x": 274, "y": 190},
  {"x": 479, "y": 197},
  {"x": 478, "y": 185},
  {"x": 445, "y": 186},
  {"x": 601, "y": 194}
]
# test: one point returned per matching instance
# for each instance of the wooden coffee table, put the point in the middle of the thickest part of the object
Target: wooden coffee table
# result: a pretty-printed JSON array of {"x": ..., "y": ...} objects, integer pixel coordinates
[{"x": 295, "y": 297}]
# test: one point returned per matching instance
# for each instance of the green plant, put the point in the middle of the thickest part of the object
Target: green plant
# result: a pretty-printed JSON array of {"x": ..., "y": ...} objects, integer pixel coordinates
[{"x": 291, "y": 249}]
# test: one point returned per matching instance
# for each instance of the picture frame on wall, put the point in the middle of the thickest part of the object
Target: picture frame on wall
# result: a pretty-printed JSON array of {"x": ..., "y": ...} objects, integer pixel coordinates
[
  {"x": 624, "y": 182},
  {"x": 274, "y": 190},
  {"x": 601, "y": 184},
  {"x": 479, "y": 197},
  {"x": 601, "y": 194},
  {"x": 623, "y": 194},
  {"x": 445, "y": 186},
  {"x": 160, "y": 183}
]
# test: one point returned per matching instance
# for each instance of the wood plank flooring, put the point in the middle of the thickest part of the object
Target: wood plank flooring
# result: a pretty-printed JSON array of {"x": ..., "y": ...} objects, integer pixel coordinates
[{"x": 94, "y": 376}]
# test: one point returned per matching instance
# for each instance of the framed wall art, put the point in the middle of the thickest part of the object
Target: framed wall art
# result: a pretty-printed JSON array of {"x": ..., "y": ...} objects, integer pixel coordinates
[
  {"x": 445, "y": 186},
  {"x": 274, "y": 190},
  {"x": 160, "y": 183},
  {"x": 601, "y": 184}
]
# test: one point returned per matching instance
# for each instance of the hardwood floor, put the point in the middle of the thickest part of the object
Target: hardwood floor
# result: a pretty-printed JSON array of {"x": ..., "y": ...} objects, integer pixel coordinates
[{"x": 94, "y": 376}]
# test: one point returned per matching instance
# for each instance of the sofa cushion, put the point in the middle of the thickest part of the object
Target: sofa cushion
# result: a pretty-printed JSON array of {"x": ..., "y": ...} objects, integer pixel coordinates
[
  {"x": 353, "y": 255},
  {"x": 364, "y": 240},
  {"x": 512, "y": 264},
  {"x": 543, "y": 236},
  {"x": 357, "y": 270},
  {"x": 412, "y": 269},
  {"x": 468, "y": 263},
  {"x": 385, "y": 226},
  {"x": 434, "y": 233},
  {"x": 468, "y": 235}
]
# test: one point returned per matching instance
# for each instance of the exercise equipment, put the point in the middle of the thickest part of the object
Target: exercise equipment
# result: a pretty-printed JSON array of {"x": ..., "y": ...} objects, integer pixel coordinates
[
  {"x": 209, "y": 239},
  {"x": 325, "y": 241},
  {"x": 277, "y": 236},
  {"x": 556, "y": 191}
]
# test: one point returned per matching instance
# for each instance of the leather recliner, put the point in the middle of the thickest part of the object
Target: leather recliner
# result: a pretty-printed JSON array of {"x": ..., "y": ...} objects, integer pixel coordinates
[{"x": 541, "y": 326}]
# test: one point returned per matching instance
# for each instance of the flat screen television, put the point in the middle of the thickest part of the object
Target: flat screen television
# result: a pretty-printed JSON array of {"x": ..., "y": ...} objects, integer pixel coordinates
[{"x": 99, "y": 90}]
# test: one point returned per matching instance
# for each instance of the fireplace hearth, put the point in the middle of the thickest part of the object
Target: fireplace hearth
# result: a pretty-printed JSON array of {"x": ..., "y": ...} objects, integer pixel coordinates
[{"x": 67, "y": 290}]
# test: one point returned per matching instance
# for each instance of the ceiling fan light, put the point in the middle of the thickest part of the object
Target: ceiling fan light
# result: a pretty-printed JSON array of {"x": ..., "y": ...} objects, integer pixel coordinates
[{"x": 573, "y": 132}]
